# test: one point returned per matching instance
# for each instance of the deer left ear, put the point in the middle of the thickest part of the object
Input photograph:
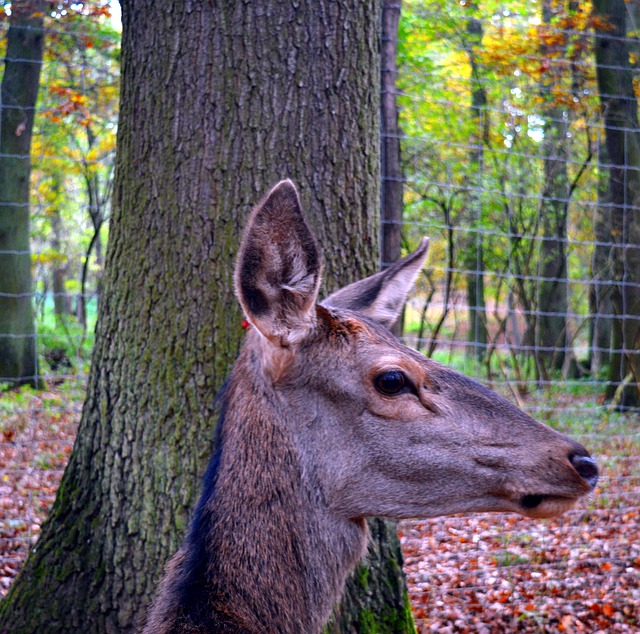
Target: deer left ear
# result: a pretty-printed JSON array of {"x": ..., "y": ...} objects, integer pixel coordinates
[
  {"x": 278, "y": 269},
  {"x": 382, "y": 296}
]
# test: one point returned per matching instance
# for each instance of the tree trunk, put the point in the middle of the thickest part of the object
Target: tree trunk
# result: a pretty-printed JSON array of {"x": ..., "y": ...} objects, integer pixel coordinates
[
  {"x": 371, "y": 606},
  {"x": 219, "y": 101},
  {"x": 600, "y": 307},
  {"x": 474, "y": 252},
  {"x": 551, "y": 335},
  {"x": 96, "y": 205},
  {"x": 392, "y": 178},
  {"x": 620, "y": 109},
  {"x": 23, "y": 61},
  {"x": 61, "y": 300}
]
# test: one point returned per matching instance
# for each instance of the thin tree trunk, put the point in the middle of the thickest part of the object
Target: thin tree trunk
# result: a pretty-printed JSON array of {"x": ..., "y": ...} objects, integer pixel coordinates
[
  {"x": 23, "y": 61},
  {"x": 61, "y": 301},
  {"x": 392, "y": 178},
  {"x": 551, "y": 335},
  {"x": 600, "y": 306},
  {"x": 81, "y": 309},
  {"x": 620, "y": 109},
  {"x": 474, "y": 252},
  {"x": 94, "y": 205},
  {"x": 219, "y": 101}
]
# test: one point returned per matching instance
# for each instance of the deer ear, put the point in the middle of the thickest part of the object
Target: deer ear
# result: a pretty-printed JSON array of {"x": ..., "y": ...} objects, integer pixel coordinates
[
  {"x": 382, "y": 296},
  {"x": 278, "y": 269}
]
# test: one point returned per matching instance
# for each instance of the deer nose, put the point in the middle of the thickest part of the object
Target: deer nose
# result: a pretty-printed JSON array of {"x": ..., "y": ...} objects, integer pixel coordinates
[{"x": 586, "y": 468}]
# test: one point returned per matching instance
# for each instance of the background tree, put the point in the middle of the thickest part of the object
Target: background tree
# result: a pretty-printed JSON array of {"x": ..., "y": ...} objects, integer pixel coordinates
[
  {"x": 190, "y": 164},
  {"x": 392, "y": 186},
  {"x": 600, "y": 306},
  {"x": 620, "y": 111},
  {"x": 392, "y": 178},
  {"x": 551, "y": 327},
  {"x": 474, "y": 251},
  {"x": 20, "y": 82}
]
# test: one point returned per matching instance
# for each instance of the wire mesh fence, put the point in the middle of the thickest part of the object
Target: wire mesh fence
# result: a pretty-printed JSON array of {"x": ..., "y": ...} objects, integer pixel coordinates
[
  {"x": 505, "y": 164},
  {"x": 516, "y": 134},
  {"x": 71, "y": 159},
  {"x": 519, "y": 159},
  {"x": 72, "y": 151}
]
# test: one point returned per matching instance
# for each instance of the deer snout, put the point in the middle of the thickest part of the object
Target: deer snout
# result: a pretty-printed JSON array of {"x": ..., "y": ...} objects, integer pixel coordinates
[{"x": 586, "y": 467}]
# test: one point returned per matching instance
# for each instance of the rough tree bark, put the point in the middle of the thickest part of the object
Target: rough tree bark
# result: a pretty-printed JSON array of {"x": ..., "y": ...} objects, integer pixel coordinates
[
  {"x": 620, "y": 110},
  {"x": 20, "y": 82},
  {"x": 219, "y": 101}
]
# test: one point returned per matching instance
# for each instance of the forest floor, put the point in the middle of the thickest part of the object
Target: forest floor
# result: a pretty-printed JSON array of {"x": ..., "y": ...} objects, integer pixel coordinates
[{"x": 485, "y": 573}]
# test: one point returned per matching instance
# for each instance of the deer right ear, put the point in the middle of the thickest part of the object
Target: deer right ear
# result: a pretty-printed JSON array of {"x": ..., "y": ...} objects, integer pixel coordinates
[
  {"x": 278, "y": 269},
  {"x": 382, "y": 296}
]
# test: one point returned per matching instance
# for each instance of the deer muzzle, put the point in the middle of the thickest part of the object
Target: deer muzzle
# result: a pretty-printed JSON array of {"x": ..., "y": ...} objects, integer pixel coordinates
[{"x": 548, "y": 505}]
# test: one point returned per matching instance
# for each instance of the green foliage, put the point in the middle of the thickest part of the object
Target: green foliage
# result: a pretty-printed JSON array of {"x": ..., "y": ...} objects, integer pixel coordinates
[
  {"x": 78, "y": 120},
  {"x": 476, "y": 173},
  {"x": 64, "y": 345},
  {"x": 73, "y": 148},
  {"x": 507, "y": 558}
]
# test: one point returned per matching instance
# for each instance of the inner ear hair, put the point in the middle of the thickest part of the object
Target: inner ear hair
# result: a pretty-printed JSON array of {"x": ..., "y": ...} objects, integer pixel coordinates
[{"x": 279, "y": 268}]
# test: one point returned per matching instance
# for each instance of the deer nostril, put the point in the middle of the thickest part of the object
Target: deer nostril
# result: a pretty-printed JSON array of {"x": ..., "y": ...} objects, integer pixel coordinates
[{"x": 586, "y": 468}]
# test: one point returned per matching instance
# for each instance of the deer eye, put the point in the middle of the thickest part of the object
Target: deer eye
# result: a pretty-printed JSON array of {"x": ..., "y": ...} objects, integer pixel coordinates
[{"x": 390, "y": 382}]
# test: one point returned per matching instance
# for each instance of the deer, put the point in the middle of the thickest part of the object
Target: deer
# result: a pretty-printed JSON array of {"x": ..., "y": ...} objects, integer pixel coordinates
[{"x": 328, "y": 419}]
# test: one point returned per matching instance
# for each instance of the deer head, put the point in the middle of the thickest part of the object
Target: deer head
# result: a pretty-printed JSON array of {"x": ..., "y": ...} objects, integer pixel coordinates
[
  {"x": 382, "y": 430},
  {"x": 329, "y": 419}
]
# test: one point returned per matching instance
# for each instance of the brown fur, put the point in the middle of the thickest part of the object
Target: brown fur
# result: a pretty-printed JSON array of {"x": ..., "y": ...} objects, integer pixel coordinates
[{"x": 310, "y": 446}]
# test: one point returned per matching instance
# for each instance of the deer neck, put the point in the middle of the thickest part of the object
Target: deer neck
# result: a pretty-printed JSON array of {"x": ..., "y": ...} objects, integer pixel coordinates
[{"x": 275, "y": 554}]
